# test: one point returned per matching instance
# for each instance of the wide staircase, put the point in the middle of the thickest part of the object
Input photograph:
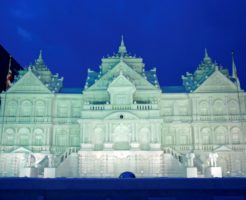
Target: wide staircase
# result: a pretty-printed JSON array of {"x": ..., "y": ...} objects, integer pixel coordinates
[
  {"x": 65, "y": 163},
  {"x": 175, "y": 164}
]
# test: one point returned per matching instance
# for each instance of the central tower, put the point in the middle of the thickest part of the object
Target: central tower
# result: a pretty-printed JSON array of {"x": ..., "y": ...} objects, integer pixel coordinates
[{"x": 120, "y": 121}]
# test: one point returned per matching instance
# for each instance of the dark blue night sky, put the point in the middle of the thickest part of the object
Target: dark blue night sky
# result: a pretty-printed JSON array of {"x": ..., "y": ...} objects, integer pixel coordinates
[{"x": 168, "y": 34}]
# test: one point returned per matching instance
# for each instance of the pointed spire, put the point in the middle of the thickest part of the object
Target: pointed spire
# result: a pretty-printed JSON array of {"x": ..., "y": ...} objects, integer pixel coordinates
[
  {"x": 40, "y": 57},
  {"x": 234, "y": 70},
  {"x": 206, "y": 56},
  {"x": 122, "y": 47},
  {"x": 40, "y": 61},
  {"x": 206, "y": 53}
]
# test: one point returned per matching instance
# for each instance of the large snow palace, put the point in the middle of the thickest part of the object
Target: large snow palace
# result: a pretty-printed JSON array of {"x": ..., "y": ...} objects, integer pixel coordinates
[{"x": 123, "y": 120}]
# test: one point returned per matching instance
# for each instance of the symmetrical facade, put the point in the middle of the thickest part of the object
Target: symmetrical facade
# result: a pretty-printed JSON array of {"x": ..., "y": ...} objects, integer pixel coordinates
[{"x": 123, "y": 121}]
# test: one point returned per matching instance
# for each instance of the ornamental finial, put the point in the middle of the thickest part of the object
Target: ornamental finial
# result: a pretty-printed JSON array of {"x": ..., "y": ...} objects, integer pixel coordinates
[
  {"x": 206, "y": 56},
  {"x": 122, "y": 47},
  {"x": 206, "y": 53},
  {"x": 40, "y": 57}
]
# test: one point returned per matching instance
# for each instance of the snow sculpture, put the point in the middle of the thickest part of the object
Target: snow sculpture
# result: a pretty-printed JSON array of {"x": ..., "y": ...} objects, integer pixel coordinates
[
  {"x": 190, "y": 159},
  {"x": 213, "y": 159}
]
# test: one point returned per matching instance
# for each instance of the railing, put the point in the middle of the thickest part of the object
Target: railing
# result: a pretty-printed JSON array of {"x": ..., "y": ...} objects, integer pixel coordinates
[
  {"x": 204, "y": 118},
  {"x": 175, "y": 154},
  {"x": 40, "y": 148},
  {"x": 207, "y": 147},
  {"x": 239, "y": 147},
  {"x": 62, "y": 157},
  {"x": 8, "y": 148},
  {"x": 182, "y": 158},
  {"x": 99, "y": 107},
  {"x": 181, "y": 118},
  {"x": 228, "y": 117},
  {"x": 26, "y": 119},
  {"x": 63, "y": 120},
  {"x": 121, "y": 107}
]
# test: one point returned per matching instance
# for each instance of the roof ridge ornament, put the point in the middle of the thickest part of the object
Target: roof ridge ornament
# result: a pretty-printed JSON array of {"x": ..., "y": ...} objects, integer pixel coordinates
[
  {"x": 206, "y": 53},
  {"x": 40, "y": 60},
  {"x": 40, "y": 57},
  {"x": 206, "y": 56},
  {"x": 122, "y": 48},
  {"x": 40, "y": 54}
]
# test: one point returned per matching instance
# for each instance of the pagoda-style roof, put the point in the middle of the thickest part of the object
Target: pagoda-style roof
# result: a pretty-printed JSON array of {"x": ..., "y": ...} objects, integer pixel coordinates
[
  {"x": 109, "y": 62},
  {"x": 207, "y": 67},
  {"x": 40, "y": 69}
]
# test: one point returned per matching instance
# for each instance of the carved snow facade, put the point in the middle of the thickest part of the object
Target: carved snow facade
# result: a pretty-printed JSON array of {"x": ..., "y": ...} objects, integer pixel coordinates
[{"x": 123, "y": 121}]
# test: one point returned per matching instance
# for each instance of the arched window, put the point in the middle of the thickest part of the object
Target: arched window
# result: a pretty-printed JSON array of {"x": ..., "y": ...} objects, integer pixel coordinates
[
  {"x": 24, "y": 140},
  {"x": 218, "y": 107},
  {"x": 205, "y": 135},
  {"x": 26, "y": 108},
  {"x": 203, "y": 108},
  {"x": 235, "y": 135},
  {"x": 121, "y": 133},
  {"x": 233, "y": 107},
  {"x": 9, "y": 136},
  {"x": 39, "y": 108},
  {"x": 221, "y": 135},
  {"x": 24, "y": 137},
  {"x": 38, "y": 137},
  {"x": 39, "y": 140},
  {"x": 12, "y": 108}
]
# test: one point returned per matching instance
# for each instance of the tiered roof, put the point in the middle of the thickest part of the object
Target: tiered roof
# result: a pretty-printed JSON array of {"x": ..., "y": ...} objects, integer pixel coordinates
[
  {"x": 207, "y": 67},
  {"x": 136, "y": 63},
  {"x": 40, "y": 69}
]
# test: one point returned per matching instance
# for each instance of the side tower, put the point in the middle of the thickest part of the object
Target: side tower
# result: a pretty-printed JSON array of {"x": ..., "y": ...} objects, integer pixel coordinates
[
  {"x": 206, "y": 116},
  {"x": 26, "y": 119}
]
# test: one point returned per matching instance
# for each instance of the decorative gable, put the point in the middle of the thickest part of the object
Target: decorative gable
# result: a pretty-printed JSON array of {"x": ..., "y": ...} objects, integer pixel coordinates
[
  {"x": 21, "y": 150},
  {"x": 29, "y": 83},
  {"x": 139, "y": 80},
  {"x": 217, "y": 82},
  {"x": 121, "y": 82},
  {"x": 222, "y": 148},
  {"x": 121, "y": 90}
]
